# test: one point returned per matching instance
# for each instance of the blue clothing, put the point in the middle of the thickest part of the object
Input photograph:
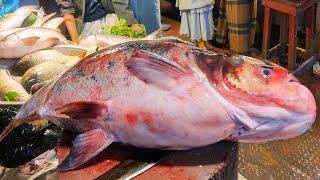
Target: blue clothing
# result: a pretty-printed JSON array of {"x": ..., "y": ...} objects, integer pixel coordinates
[
  {"x": 147, "y": 12},
  {"x": 28, "y": 2},
  {"x": 8, "y": 6},
  {"x": 94, "y": 11}
]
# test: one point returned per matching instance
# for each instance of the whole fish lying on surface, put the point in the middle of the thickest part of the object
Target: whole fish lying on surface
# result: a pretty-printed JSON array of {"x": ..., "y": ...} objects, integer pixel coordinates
[
  {"x": 17, "y": 18},
  {"x": 38, "y": 57},
  {"x": 160, "y": 94},
  {"x": 40, "y": 73},
  {"x": 8, "y": 84},
  {"x": 53, "y": 23},
  {"x": 41, "y": 18},
  {"x": 28, "y": 40},
  {"x": 107, "y": 40}
]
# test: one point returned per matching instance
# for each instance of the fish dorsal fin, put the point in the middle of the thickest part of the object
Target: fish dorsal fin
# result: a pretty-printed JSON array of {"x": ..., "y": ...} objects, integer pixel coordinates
[
  {"x": 154, "y": 69},
  {"x": 84, "y": 147},
  {"x": 30, "y": 41},
  {"x": 84, "y": 110}
]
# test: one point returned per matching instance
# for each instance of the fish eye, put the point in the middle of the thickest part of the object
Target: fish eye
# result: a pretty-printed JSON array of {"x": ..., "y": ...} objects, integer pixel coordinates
[{"x": 266, "y": 72}]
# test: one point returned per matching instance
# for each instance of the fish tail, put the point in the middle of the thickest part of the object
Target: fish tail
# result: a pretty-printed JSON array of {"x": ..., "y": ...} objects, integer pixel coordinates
[
  {"x": 155, "y": 35},
  {"x": 15, "y": 123}
]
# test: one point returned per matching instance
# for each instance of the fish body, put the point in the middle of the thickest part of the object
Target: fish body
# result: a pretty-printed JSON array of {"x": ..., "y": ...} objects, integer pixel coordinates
[
  {"x": 38, "y": 57},
  {"x": 17, "y": 18},
  {"x": 111, "y": 39},
  {"x": 5, "y": 33},
  {"x": 53, "y": 23},
  {"x": 40, "y": 73},
  {"x": 8, "y": 84},
  {"x": 41, "y": 18},
  {"x": 160, "y": 94},
  {"x": 28, "y": 40}
]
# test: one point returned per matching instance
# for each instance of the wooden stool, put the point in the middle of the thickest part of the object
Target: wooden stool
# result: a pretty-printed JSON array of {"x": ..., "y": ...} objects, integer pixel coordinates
[{"x": 290, "y": 10}]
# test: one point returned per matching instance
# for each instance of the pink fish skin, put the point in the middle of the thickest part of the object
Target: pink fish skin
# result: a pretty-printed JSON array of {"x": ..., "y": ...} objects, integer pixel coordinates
[
  {"x": 27, "y": 40},
  {"x": 17, "y": 18},
  {"x": 162, "y": 94},
  {"x": 53, "y": 23}
]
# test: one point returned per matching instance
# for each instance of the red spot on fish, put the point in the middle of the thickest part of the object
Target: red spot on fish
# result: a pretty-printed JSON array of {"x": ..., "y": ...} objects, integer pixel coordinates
[
  {"x": 132, "y": 118},
  {"x": 147, "y": 118},
  {"x": 30, "y": 41}
]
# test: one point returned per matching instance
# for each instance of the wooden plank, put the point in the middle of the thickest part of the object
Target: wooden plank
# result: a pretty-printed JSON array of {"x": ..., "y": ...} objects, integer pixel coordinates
[
  {"x": 280, "y": 7},
  {"x": 305, "y": 66},
  {"x": 266, "y": 33},
  {"x": 274, "y": 51},
  {"x": 317, "y": 29},
  {"x": 292, "y": 42},
  {"x": 283, "y": 37},
  {"x": 310, "y": 15}
]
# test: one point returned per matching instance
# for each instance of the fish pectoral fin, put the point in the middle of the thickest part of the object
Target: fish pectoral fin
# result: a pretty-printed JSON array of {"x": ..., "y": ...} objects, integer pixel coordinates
[
  {"x": 84, "y": 110},
  {"x": 102, "y": 43},
  {"x": 53, "y": 40},
  {"x": 84, "y": 147},
  {"x": 30, "y": 41},
  {"x": 155, "y": 69}
]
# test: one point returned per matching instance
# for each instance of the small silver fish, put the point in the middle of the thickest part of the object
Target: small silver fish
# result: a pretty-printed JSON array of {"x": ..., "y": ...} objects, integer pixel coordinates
[
  {"x": 17, "y": 18},
  {"x": 40, "y": 73},
  {"x": 28, "y": 40},
  {"x": 38, "y": 57}
]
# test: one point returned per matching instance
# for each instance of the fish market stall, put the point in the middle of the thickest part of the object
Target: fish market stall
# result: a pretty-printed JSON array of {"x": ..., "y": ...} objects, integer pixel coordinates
[{"x": 146, "y": 107}]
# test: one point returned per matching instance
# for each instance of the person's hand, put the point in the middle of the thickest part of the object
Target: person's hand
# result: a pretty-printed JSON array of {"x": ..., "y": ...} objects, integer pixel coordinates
[{"x": 136, "y": 27}]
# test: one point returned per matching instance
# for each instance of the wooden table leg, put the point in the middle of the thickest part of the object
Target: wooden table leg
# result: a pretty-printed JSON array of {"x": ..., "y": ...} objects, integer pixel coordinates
[
  {"x": 283, "y": 37},
  {"x": 310, "y": 15},
  {"x": 266, "y": 33},
  {"x": 292, "y": 42}
]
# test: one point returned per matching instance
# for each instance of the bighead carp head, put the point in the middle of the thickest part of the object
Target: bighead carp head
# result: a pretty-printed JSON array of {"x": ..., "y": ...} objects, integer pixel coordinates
[{"x": 269, "y": 101}]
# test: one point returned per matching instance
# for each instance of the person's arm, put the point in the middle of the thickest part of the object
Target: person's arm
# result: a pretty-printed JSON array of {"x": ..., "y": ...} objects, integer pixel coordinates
[
  {"x": 71, "y": 27},
  {"x": 122, "y": 9},
  {"x": 67, "y": 9}
]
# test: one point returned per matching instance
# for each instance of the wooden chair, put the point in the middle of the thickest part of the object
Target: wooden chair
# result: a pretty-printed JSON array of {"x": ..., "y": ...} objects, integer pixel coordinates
[{"x": 290, "y": 9}]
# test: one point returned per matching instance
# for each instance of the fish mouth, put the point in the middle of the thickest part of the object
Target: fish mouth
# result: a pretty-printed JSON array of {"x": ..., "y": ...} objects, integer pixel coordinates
[{"x": 271, "y": 129}]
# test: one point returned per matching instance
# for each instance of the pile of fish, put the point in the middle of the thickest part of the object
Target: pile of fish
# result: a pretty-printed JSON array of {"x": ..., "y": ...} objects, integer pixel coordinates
[
  {"x": 168, "y": 95},
  {"x": 15, "y": 42},
  {"x": 37, "y": 64}
]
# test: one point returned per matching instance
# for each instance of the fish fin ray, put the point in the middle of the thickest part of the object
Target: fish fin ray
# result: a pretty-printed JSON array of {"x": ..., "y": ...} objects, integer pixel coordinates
[
  {"x": 102, "y": 43},
  {"x": 155, "y": 69},
  {"x": 84, "y": 147},
  {"x": 30, "y": 41},
  {"x": 53, "y": 40},
  {"x": 83, "y": 110}
]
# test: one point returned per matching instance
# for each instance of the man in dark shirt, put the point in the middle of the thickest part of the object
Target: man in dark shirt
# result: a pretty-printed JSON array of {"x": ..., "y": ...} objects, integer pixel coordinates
[{"x": 93, "y": 14}]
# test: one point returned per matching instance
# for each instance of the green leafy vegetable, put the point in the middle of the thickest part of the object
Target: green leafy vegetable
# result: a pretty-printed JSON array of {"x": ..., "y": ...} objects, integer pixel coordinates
[
  {"x": 122, "y": 29},
  {"x": 11, "y": 96},
  {"x": 29, "y": 20}
]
